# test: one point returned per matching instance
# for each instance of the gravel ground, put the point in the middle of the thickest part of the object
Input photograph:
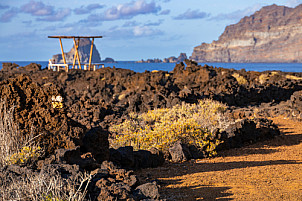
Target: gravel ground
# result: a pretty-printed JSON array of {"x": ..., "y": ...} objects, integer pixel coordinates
[{"x": 268, "y": 170}]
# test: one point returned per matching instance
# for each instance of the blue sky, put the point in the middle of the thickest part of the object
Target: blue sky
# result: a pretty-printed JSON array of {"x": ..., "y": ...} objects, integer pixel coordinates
[{"x": 132, "y": 29}]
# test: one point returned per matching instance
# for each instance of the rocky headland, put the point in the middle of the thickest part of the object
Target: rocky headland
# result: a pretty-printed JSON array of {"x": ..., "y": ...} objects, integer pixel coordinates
[{"x": 272, "y": 34}]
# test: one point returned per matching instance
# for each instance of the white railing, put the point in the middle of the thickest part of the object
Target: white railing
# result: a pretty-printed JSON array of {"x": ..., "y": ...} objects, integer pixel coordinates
[{"x": 58, "y": 67}]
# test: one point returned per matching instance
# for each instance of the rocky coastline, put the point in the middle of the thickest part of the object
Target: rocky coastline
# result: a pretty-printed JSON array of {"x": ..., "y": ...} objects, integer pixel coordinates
[
  {"x": 271, "y": 35},
  {"x": 76, "y": 135}
]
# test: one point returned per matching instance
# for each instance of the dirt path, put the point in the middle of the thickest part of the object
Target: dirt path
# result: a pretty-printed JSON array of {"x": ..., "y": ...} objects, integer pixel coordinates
[{"x": 269, "y": 170}]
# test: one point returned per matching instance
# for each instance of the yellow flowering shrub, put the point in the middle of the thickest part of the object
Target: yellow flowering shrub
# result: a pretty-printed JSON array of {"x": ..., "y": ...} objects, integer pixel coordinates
[
  {"x": 160, "y": 128},
  {"x": 240, "y": 79},
  {"x": 51, "y": 197},
  {"x": 26, "y": 155}
]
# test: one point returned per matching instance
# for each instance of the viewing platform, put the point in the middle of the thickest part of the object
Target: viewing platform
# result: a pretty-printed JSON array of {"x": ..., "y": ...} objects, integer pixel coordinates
[{"x": 76, "y": 59}]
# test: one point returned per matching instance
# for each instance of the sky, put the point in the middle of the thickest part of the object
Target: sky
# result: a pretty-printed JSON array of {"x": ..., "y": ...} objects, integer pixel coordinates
[{"x": 131, "y": 29}]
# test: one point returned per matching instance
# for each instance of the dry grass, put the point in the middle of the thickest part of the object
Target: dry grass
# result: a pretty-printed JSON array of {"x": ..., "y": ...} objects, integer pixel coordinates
[
  {"x": 10, "y": 140},
  {"x": 14, "y": 148},
  {"x": 44, "y": 187}
]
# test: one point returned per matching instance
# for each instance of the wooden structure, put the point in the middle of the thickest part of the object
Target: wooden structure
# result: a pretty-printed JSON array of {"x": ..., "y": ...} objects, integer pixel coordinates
[{"x": 76, "y": 40}]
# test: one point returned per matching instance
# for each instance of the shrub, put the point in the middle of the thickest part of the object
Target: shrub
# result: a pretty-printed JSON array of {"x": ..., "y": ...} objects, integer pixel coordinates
[
  {"x": 292, "y": 77},
  {"x": 27, "y": 155},
  {"x": 240, "y": 79},
  {"x": 263, "y": 78},
  {"x": 160, "y": 128},
  {"x": 15, "y": 149}
]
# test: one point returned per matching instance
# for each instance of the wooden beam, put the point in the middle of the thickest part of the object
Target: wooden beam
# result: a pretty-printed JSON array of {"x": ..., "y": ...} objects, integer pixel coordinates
[
  {"x": 90, "y": 56},
  {"x": 71, "y": 37}
]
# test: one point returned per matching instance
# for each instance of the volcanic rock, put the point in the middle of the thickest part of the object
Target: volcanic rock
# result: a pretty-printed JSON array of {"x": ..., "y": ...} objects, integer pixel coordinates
[
  {"x": 173, "y": 59},
  {"x": 96, "y": 142},
  {"x": 148, "y": 191},
  {"x": 34, "y": 113},
  {"x": 179, "y": 152},
  {"x": 129, "y": 159},
  {"x": 247, "y": 131}
]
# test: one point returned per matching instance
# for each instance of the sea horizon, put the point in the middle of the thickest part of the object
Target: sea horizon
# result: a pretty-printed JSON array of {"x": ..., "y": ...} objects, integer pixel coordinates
[{"x": 142, "y": 67}]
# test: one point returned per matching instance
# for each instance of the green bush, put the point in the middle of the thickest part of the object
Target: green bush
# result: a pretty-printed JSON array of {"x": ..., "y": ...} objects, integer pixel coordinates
[{"x": 193, "y": 124}]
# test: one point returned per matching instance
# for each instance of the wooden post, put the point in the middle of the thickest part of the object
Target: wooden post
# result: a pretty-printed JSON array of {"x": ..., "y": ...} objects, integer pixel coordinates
[
  {"x": 63, "y": 55},
  {"x": 77, "y": 51},
  {"x": 90, "y": 56},
  {"x": 74, "y": 60},
  {"x": 76, "y": 54}
]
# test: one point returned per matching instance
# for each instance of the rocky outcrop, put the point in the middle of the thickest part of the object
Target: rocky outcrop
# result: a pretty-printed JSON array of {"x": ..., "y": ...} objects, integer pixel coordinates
[
  {"x": 84, "y": 52},
  {"x": 179, "y": 59},
  {"x": 272, "y": 34},
  {"x": 35, "y": 113},
  {"x": 247, "y": 131},
  {"x": 172, "y": 59},
  {"x": 108, "y": 60}
]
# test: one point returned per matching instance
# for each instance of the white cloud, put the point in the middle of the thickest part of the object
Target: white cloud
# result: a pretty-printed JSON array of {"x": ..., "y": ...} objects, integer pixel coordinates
[
  {"x": 293, "y": 3},
  {"x": 9, "y": 15},
  {"x": 37, "y": 8},
  {"x": 127, "y": 11},
  {"x": 145, "y": 31},
  {"x": 238, "y": 14},
  {"x": 192, "y": 14},
  {"x": 87, "y": 9},
  {"x": 45, "y": 12},
  {"x": 159, "y": 22},
  {"x": 165, "y": 12},
  {"x": 57, "y": 16},
  {"x": 131, "y": 24}
]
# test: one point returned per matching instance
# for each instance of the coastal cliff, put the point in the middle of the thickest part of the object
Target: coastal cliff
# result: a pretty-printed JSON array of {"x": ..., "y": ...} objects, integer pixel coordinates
[
  {"x": 272, "y": 34},
  {"x": 84, "y": 52}
]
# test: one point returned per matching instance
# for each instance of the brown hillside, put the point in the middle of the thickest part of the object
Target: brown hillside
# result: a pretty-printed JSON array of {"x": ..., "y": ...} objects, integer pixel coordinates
[{"x": 272, "y": 34}]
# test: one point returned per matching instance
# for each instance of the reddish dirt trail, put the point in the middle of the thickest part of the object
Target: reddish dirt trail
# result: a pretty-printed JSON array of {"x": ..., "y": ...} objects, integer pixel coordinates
[{"x": 269, "y": 170}]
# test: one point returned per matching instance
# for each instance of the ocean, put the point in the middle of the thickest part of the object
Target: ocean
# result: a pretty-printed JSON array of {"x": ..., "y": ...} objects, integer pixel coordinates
[{"x": 141, "y": 67}]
